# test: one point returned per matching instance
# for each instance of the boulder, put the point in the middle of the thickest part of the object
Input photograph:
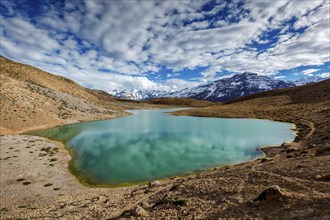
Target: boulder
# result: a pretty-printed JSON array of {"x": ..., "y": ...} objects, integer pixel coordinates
[
  {"x": 272, "y": 193},
  {"x": 318, "y": 177}
]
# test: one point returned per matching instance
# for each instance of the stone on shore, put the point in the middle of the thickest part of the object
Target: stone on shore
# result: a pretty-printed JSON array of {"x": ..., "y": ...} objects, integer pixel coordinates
[{"x": 270, "y": 194}]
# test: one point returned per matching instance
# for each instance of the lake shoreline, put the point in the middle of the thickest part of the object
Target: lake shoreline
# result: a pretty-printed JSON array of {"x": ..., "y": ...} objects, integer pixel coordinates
[
  {"x": 55, "y": 134},
  {"x": 66, "y": 190}
]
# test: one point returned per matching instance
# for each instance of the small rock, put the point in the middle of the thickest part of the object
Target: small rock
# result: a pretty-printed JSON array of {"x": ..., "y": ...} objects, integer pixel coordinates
[
  {"x": 139, "y": 211},
  {"x": 291, "y": 150},
  {"x": 144, "y": 205},
  {"x": 272, "y": 193},
  {"x": 155, "y": 183},
  {"x": 223, "y": 200},
  {"x": 148, "y": 191},
  {"x": 318, "y": 177},
  {"x": 265, "y": 159},
  {"x": 286, "y": 145},
  {"x": 177, "y": 186}
]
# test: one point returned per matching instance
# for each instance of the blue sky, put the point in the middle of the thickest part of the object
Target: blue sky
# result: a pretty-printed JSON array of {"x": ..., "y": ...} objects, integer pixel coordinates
[{"x": 167, "y": 45}]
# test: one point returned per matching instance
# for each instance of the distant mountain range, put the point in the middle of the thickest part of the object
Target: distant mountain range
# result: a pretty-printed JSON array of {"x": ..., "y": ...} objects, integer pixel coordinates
[
  {"x": 135, "y": 94},
  {"x": 227, "y": 89},
  {"x": 307, "y": 80},
  {"x": 222, "y": 90}
]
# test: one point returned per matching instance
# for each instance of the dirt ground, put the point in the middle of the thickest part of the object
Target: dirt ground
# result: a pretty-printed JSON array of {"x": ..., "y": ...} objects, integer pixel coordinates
[{"x": 36, "y": 183}]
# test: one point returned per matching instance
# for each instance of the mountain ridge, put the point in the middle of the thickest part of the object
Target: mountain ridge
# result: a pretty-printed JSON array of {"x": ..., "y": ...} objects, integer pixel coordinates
[
  {"x": 221, "y": 90},
  {"x": 227, "y": 89}
]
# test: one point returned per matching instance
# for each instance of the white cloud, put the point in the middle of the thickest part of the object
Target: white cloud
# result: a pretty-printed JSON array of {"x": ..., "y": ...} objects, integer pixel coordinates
[
  {"x": 177, "y": 84},
  {"x": 324, "y": 75},
  {"x": 313, "y": 17},
  {"x": 211, "y": 72},
  {"x": 279, "y": 77},
  {"x": 309, "y": 72},
  {"x": 113, "y": 44},
  {"x": 198, "y": 25},
  {"x": 8, "y": 5}
]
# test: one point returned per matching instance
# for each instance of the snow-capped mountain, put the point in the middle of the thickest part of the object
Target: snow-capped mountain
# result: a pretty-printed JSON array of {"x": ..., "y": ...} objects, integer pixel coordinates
[
  {"x": 307, "y": 80},
  {"x": 222, "y": 90},
  {"x": 227, "y": 89},
  {"x": 135, "y": 94}
]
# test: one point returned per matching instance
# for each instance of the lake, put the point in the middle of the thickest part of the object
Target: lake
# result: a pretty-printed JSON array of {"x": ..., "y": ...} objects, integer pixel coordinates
[{"x": 151, "y": 144}]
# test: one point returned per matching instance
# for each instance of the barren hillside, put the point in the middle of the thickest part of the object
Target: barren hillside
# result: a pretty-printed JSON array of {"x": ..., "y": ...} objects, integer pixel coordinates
[{"x": 32, "y": 98}]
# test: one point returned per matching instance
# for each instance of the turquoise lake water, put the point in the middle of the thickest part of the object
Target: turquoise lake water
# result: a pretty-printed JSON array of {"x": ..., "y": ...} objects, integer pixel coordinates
[{"x": 151, "y": 144}]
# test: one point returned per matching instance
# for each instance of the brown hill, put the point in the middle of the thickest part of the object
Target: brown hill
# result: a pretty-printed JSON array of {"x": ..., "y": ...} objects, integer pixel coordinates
[
  {"x": 26, "y": 73},
  {"x": 310, "y": 93},
  {"x": 102, "y": 95},
  {"x": 32, "y": 98},
  {"x": 189, "y": 102}
]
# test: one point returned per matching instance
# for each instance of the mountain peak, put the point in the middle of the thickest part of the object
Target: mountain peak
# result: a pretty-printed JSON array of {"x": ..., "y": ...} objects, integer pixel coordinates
[{"x": 248, "y": 74}]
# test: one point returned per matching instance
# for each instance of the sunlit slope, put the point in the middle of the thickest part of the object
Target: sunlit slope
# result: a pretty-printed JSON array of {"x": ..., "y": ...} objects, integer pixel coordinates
[{"x": 32, "y": 98}]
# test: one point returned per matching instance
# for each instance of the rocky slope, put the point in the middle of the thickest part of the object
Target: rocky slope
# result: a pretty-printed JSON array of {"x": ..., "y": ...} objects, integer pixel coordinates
[{"x": 32, "y": 98}]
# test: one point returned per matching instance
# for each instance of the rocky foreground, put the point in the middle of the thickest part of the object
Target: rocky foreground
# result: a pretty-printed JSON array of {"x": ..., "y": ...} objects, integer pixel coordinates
[{"x": 36, "y": 183}]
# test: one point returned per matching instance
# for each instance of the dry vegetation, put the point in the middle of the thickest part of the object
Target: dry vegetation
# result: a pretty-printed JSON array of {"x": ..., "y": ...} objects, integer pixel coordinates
[{"x": 181, "y": 102}]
